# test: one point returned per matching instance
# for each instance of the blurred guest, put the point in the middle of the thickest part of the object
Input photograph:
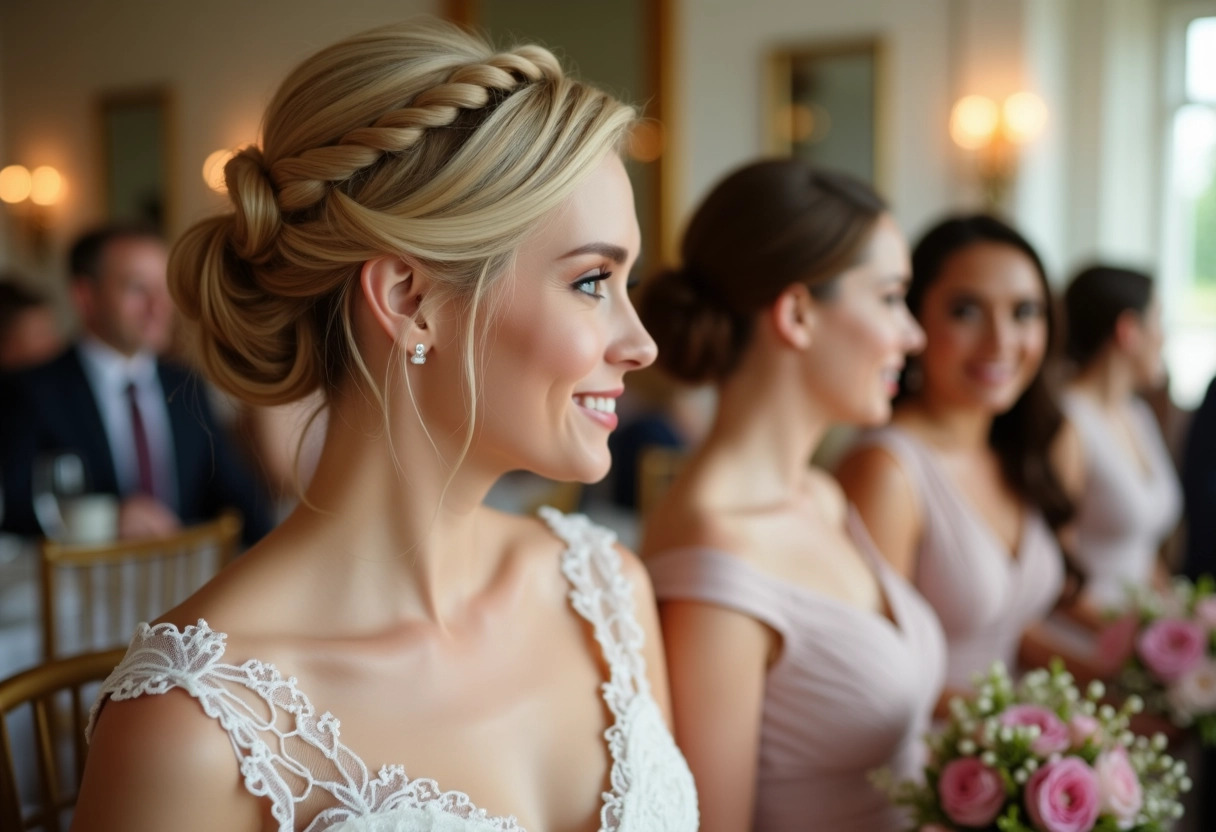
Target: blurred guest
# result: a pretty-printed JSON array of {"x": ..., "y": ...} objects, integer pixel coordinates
[
  {"x": 1132, "y": 499},
  {"x": 966, "y": 490},
  {"x": 141, "y": 424},
  {"x": 799, "y": 661},
  {"x": 1199, "y": 488},
  {"x": 29, "y": 333}
]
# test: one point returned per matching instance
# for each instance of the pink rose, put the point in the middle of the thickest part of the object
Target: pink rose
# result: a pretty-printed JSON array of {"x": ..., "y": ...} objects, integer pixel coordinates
[
  {"x": 1194, "y": 693},
  {"x": 1053, "y": 733},
  {"x": 1082, "y": 728},
  {"x": 1205, "y": 612},
  {"x": 1119, "y": 789},
  {"x": 1063, "y": 796},
  {"x": 972, "y": 794},
  {"x": 1170, "y": 647}
]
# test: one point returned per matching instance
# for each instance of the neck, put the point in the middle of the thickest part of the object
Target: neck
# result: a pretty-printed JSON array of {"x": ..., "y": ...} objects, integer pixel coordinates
[
  {"x": 409, "y": 528},
  {"x": 769, "y": 447},
  {"x": 1106, "y": 379}
]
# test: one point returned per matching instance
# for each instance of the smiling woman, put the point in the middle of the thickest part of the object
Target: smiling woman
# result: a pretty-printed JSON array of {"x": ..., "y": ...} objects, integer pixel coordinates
[
  {"x": 436, "y": 236},
  {"x": 969, "y": 490}
]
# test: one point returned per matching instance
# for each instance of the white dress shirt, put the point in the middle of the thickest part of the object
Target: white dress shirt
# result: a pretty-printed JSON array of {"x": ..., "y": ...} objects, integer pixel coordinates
[{"x": 109, "y": 372}]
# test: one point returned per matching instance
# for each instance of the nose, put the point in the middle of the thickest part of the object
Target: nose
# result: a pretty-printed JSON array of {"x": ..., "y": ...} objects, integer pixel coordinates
[
  {"x": 1001, "y": 335},
  {"x": 632, "y": 347}
]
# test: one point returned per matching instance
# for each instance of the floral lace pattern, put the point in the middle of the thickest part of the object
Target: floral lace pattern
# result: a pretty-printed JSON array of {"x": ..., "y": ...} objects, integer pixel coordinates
[{"x": 272, "y": 725}]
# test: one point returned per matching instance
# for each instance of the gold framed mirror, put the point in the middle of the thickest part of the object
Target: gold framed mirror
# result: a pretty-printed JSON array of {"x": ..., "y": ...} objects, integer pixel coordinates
[
  {"x": 826, "y": 105},
  {"x": 135, "y": 157}
]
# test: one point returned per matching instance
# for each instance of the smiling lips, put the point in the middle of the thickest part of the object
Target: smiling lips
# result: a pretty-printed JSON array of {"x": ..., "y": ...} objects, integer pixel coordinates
[{"x": 601, "y": 408}]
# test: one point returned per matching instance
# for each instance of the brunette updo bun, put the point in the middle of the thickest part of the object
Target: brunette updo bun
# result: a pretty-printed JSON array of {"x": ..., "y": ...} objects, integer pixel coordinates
[{"x": 766, "y": 226}]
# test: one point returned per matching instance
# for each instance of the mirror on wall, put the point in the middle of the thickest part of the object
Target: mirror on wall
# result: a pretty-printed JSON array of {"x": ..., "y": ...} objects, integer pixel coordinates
[
  {"x": 825, "y": 106},
  {"x": 135, "y": 156}
]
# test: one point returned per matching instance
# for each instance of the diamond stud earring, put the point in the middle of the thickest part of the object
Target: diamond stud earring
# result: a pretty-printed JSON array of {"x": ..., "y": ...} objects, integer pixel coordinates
[{"x": 419, "y": 356}]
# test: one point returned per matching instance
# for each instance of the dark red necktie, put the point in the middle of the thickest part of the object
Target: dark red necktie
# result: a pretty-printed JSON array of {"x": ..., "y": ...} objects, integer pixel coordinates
[{"x": 142, "y": 453}]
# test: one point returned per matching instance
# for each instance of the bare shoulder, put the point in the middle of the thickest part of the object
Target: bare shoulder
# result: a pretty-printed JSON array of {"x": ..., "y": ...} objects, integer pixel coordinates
[
  {"x": 888, "y": 501},
  {"x": 872, "y": 474},
  {"x": 1068, "y": 458},
  {"x": 159, "y": 762}
]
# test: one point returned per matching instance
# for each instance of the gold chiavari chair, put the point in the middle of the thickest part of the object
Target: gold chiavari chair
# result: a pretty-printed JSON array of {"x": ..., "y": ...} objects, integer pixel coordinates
[
  {"x": 657, "y": 467},
  {"x": 42, "y": 690},
  {"x": 93, "y": 596}
]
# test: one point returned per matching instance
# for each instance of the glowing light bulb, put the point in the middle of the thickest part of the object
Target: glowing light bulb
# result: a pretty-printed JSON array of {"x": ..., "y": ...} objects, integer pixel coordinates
[
  {"x": 213, "y": 170},
  {"x": 973, "y": 121},
  {"x": 46, "y": 185},
  {"x": 1025, "y": 117},
  {"x": 15, "y": 184}
]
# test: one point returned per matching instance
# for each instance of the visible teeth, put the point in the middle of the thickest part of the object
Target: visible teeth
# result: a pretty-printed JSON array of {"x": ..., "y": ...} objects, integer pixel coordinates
[{"x": 600, "y": 403}]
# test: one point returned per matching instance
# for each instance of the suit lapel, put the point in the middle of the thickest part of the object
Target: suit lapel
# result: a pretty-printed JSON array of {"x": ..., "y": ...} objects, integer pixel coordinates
[{"x": 79, "y": 401}]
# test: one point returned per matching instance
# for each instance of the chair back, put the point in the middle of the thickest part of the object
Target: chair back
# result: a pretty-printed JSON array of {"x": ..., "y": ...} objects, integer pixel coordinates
[
  {"x": 658, "y": 465},
  {"x": 93, "y": 596},
  {"x": 43, "y": 714}
]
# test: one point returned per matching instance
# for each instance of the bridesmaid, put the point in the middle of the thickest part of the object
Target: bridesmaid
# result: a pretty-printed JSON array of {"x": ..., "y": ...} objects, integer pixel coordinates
[
  {"x": 967, "y": 488},
  {"x": 1132, "y": 499},
  {"x": 799, "y": 660}
]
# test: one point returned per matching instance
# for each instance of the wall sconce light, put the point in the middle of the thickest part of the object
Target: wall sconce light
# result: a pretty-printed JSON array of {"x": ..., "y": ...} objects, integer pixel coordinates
[
  {"x": 213, "y": 169},
  {"x": 32, "y": 193},
  {"x": 993, "y": 133}
]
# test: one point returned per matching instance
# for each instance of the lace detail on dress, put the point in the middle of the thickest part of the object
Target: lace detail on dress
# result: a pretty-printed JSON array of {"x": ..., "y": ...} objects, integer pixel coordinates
[
  {"x": 651, "y": 786},
  {"x": 290, "y": 754},
  {"x": 266, "y": 728}
]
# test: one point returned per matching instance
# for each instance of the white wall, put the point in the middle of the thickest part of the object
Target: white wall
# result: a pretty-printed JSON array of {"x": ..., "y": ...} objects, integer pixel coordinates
[
  {"x": 721, "y": 47},
  {"x": 220, "y": 59}
]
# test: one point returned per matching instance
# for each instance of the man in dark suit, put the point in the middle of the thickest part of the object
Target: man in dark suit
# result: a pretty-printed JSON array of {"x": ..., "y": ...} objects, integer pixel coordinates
[{"x": 142, "y": 425}]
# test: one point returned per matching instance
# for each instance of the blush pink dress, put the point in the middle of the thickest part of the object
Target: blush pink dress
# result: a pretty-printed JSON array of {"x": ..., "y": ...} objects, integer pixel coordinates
[
  {"x": 852, "y": 691},
  {"x": 984, "y": 597},
  {"x": 1126, "y": 512}
]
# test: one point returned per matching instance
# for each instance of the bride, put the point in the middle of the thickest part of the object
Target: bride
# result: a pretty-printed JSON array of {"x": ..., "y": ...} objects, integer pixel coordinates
[{"x": 437, "y": 236}]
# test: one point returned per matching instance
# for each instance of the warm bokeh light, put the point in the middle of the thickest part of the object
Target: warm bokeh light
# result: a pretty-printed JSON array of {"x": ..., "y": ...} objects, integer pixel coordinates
[
  {"x": 973, "y": 121},
  {"x": 1025, "y": 117},
  {"x": 213, "y": 170},
  {"x": 46, "y": 185},
  {"x": 646, "y": 141},
  {"x": 15, "y": 184}
]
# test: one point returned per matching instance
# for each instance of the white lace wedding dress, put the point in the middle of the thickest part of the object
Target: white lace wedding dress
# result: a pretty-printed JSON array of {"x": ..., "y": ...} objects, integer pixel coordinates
[{"x": 290, "y": 754}]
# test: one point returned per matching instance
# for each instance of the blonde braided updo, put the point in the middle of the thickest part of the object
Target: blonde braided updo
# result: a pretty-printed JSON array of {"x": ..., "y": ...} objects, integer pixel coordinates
[{"x": 415, "y": 139}]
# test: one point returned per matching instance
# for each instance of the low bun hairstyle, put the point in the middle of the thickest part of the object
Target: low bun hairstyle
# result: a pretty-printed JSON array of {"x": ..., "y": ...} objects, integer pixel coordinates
[
  {"x": 417, "y": 140},
  {"x": 763, "y": 228},
  {"x": 1093, "y": 303}
]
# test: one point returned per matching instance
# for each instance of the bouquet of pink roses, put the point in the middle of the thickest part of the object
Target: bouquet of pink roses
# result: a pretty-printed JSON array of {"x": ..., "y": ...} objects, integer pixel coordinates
[
  {"x": 1041, "y": 757},
  {"x": 1168, "y": 645}
]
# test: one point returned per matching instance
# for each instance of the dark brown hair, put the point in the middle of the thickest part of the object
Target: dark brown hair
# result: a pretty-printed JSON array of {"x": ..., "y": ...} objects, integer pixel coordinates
[
  {"x": 763, "y": 228},
  {"x": 1023, "y": 435},
  {"x": 1093, "y": 302}
]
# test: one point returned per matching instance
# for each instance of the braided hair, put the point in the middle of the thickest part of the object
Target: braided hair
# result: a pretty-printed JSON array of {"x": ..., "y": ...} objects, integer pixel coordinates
[{"x": 417, "y": 140}]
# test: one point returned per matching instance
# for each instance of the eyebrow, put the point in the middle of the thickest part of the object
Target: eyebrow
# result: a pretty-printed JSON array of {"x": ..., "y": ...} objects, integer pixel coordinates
[{"x": 615, "y": 253}]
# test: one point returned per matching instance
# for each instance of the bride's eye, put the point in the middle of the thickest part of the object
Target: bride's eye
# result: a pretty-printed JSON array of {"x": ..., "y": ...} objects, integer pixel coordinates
[{"x": 587, "y": 283}]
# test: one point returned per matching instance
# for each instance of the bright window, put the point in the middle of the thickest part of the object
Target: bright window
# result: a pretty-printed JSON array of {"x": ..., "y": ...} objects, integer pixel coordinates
[{"x": 1189, "y": 267}]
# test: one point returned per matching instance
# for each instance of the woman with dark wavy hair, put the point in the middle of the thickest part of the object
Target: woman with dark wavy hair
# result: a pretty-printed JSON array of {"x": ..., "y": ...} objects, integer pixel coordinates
[{"x": 966, "y": 491}]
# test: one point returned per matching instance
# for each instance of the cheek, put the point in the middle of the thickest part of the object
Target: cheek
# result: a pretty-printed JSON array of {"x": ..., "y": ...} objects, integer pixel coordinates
[{"x": 537, "y": 350}]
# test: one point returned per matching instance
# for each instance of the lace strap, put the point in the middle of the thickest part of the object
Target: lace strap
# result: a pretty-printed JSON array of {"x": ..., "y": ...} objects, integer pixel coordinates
[
  {"x": 163, "y": 657},
  {"x": 602, "y": 594}
]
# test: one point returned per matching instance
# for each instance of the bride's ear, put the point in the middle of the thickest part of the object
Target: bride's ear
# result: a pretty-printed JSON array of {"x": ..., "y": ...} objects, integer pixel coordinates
[
  {"x": 793, "y": 316},
  {"x": 395, "y": 292}
]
